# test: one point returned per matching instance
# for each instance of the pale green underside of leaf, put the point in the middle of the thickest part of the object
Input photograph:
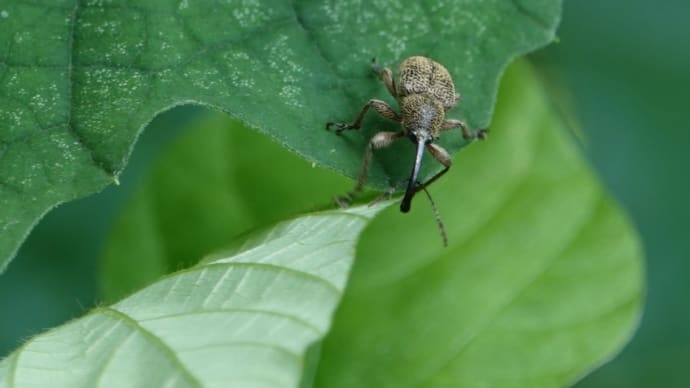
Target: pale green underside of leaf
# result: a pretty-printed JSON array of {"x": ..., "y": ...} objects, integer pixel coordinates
[
  {"x": 80, "y": 79},
  {"x": 239, "y": 320},
  {"x": 542, "y": 280}
]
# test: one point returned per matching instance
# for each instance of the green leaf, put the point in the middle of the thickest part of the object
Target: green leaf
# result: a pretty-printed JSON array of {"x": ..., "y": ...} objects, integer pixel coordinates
[
  {"x": 240, "y": 319},
  {"x": 80, "y": 79},
  {"x": 541, "y": 282}
]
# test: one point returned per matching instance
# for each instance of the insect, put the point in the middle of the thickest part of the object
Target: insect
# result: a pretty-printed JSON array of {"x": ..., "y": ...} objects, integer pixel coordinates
[{"x": 424, "y": 93}]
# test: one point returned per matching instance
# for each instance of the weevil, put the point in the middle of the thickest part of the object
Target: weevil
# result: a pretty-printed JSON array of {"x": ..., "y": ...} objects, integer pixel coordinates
[{"x": 425, "y": 93}]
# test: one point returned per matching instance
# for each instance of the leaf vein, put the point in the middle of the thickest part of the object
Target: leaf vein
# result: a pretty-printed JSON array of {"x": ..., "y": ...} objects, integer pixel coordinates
[
  {"x": 71, "y": 90},
  {"x": 278, "y": 348},
  {"x": 274, "y": 267},
  {"x": 153, "y": 338},
  {"x": 233, "y": 310}
]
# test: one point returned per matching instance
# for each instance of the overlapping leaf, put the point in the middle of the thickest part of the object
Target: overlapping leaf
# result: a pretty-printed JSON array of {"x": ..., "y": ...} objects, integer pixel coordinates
[{"x": 243, "y": 318}]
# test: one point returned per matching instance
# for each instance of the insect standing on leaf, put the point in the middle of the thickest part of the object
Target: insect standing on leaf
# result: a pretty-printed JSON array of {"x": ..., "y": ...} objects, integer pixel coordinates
[{"x": 424, "y": 92}]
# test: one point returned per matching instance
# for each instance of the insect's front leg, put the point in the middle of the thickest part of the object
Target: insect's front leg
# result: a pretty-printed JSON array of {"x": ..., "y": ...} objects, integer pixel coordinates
[
  {"x": 380, "y": 140},
  {"x": 386, "y": 76},
  {"x": 381, "y": 107},
  {"x": 449, "y": 124},
  {"x": 442, "y": 156}
]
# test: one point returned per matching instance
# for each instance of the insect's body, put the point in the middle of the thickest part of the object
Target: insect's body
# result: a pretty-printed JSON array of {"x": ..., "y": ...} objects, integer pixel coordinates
[
  {"x": 421, "y": 75},
  {"x": 422, "y": 116},
  {"x": 424, "y": 92}
]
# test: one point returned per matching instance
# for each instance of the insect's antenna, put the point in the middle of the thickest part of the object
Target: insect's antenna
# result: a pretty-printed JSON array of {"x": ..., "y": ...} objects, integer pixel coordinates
[{"x": 437, "y": 215}]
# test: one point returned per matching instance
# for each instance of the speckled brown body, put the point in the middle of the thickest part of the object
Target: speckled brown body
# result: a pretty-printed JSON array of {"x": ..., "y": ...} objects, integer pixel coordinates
[
  {"x": 421, "y": 115},
  {"x": 424, "y": 92},
  {"x": 421, "y": 75}
]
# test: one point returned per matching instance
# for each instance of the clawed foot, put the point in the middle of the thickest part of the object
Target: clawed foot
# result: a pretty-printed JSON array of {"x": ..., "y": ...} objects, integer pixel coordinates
[
  {"x": 481, "y": 134},
  {"x": 375, "y": 67},
  {"x": 339, "y": 127},
  {"x": 386, "y": 195},
  {"x": 343, "y": 201}
]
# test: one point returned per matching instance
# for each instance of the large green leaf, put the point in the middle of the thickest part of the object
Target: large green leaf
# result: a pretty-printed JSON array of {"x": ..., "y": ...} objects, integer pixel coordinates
[
  {"x": 80, "y": 79},
  {"x": 243, "y": 318},
  {"x": 541, "y": 281}
]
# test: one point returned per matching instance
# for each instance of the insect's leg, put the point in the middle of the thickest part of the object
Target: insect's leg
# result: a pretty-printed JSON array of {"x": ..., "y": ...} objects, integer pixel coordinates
[
  {"x": 466, "y": 133},
  {"x": 384, "y": 196},
  {"x": 440, "y": 154},
  {"x": 381, "y": 107},
  {"x": 380, "y": 140},
  {"x": 386, "y": 76}
]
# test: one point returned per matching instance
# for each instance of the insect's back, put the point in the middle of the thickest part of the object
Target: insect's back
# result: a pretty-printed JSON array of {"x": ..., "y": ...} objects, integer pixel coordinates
[{"x": 421, "y": 75}]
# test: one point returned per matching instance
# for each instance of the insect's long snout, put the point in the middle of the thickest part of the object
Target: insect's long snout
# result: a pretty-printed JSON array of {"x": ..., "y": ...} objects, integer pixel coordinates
[{"x": 412, "y": 184}]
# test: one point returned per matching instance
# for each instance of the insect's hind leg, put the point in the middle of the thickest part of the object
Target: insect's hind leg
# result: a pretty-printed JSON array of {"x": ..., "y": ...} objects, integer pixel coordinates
[
  {"x": 379, "y": 106},
  {"x": 449, "y": 124},
  {"x": 442, "y": 156}
]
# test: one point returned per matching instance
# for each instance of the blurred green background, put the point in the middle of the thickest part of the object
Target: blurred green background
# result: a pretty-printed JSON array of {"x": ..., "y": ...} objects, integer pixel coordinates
[
  {"x": 625, "y": 66},
  {"x": 620, "y": 68}
]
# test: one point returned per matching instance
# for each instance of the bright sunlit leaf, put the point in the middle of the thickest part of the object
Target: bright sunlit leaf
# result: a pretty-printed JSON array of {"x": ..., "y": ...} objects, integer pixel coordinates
[{"x": 243, "y": 318}]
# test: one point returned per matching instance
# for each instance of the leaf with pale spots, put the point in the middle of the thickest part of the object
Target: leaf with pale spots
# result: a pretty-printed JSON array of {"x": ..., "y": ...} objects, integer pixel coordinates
[{"x": 79, "y": 80}]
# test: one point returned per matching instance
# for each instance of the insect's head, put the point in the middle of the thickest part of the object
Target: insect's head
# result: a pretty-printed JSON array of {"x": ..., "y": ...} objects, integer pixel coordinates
[{"x": 418, "y": 135}]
